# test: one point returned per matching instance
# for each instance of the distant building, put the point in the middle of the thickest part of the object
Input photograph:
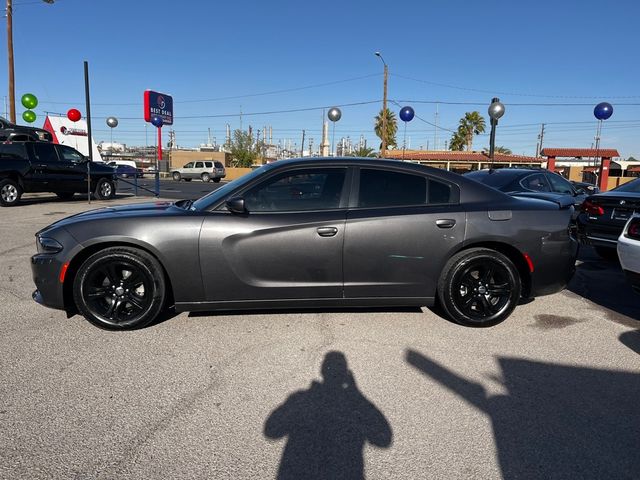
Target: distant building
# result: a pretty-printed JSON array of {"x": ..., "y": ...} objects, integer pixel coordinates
[{"x": 463, "y": 161}]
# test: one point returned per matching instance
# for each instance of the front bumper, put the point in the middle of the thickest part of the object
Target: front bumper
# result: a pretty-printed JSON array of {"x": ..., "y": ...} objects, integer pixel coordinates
[{"x": 46, "y": 271}]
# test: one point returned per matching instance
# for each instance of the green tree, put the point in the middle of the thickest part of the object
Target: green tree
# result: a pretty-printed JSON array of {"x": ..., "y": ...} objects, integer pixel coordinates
[
  {"x": 243, "y": 151},
  {"x": 392, "y": 128},
  {"x": 457, "y": 141},
  {"x": 363, "y": 152},
  {"x": 471, "y": 124},
  {"x": 499, "y": 149}
]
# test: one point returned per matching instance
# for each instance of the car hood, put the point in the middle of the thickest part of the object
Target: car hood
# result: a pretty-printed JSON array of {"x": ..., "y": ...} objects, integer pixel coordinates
[{"x": 138, "y": 210}]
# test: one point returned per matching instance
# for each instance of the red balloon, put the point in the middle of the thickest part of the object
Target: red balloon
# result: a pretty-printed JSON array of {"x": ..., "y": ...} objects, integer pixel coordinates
[{"x": 74, "y": 115}]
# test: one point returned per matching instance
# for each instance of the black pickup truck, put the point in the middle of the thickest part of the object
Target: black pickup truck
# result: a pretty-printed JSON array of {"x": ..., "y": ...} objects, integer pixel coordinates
[
  {"x": 47, "y": 167},
  {"x": 19, "y": 133}
]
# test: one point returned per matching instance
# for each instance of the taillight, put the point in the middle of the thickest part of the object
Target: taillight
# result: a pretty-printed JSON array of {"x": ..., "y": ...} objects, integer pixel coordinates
[
  {"x": 591, "y": 208},
  {"x": 633, "y": 230}
]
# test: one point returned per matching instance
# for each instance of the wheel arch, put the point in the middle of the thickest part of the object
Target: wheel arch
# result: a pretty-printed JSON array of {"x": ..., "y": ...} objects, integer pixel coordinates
[
  {"x": 82, "y": 255},
  {"x": 513, "y": 254}
]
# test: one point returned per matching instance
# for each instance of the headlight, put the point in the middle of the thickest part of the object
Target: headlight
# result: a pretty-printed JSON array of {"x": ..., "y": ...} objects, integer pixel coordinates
[{"x": 47, "y": 245}]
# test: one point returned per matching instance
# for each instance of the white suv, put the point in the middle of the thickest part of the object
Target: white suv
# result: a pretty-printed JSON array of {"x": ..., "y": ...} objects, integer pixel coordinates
[{"x": 205, "y": 170}]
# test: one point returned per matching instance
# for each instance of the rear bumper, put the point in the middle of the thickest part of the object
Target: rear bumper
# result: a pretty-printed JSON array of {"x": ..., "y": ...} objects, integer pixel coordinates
[
  {"x": 554, "y": 268},
  {"x": 591, "y": 233}
]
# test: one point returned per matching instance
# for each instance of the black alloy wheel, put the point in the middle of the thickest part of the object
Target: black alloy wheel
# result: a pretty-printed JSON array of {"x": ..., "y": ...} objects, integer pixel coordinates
[
  {"x": 10, "y": 192},
  {"x": 479, "y": 287},
  {"x": 216, "y": 180},
  {"x": 104, "y": 189},
  {"x": 176, "y": 176},
  {"x": 120, "y": 288}
]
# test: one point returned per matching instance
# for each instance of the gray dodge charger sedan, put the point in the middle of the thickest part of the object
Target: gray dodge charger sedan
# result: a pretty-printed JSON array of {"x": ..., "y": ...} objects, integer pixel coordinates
[{"x": 317, "y": 233}]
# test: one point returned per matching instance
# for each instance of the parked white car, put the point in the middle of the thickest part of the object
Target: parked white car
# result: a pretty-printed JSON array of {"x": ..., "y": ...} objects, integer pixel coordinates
[
  {"x": 205, "y": 170},
  {"x": 629, "y": 251}
]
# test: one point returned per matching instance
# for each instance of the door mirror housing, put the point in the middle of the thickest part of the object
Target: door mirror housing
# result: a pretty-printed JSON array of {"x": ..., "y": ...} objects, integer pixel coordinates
[{"x": 236, "y": 205}]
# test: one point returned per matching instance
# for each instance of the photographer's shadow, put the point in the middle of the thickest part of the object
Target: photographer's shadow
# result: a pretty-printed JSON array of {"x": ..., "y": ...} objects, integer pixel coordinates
[{"x": 327, "y": 426}]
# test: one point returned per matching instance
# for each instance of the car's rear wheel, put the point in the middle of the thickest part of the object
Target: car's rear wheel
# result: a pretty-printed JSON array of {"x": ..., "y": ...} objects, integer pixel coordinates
[
  {"x": 479, "y": 287},
  {"x": 10, "y": 192},
  {"x": 205, "y": 177},
  {"x": 176, "y": 176},
  {"x": 104, "y": 189},
  {"x": 65, "y": 195},
  {"x": 607, "y": 253},
  {"x": 216, "y": 180},
  {"x": 119, "y": 288}
]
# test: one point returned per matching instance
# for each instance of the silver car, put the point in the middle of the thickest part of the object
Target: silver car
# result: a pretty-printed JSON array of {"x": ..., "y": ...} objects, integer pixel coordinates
[{"x": 205, "y": 170}]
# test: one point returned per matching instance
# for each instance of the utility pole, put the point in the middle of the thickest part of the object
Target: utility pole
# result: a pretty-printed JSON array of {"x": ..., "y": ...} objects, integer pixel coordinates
[
  {"x": 435, "y": 131},
  {"x": 12, "y": 86},
  {"x": 540, "y": 139},
  {"x": 302, "y": 147},
  {"x": 383, "y": 149}
]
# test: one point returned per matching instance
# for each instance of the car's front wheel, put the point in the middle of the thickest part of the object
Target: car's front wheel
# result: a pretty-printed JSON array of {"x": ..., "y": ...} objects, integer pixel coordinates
[
  {"x": 176, "y": 176},
  {"x": 120, "y": 288},
  {"x": 10, "y": 192},
  {"x": 479, "y": 287}
]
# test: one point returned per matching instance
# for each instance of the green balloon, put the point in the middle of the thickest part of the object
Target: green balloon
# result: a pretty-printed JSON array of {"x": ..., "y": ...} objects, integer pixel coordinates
[
  {"x": 29, "y": 116},
  {"x": 29, "y": 100}
]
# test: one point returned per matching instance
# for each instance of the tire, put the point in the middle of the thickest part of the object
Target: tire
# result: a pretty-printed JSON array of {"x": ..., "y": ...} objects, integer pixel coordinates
[
  {"x": 479, "y": 287},
  {"x": 205, "y": 177},
  {"x": 606, "y": 253},
  {"x": 187, "y": 179},
  {"x": 110, "y": 298},
  {"x": 176, "y": 176},
  {"x": 216, "y": 180},
  {"x": 65, "y": 195},
  {"x": 104, "y": 190},
  {"x": 10, "y": 192}
]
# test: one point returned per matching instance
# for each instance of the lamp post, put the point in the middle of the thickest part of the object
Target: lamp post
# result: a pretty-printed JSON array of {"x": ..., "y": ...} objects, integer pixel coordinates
[
  {"x": 12, "y": 86},
  {"x": 496, "y": 110},
  {"x": 383, "y": 148}
]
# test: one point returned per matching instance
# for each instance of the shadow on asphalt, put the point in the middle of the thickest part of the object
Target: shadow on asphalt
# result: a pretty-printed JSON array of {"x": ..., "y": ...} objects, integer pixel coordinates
[
  {"x": 603, "y": 282},
  {"x": 631, "y": 339},
  {"x": 214, "y": 313},
  {"x": 554, "y": 421},
  {"x": 53, "y": 199},
  {"x": 327, "y": 426}
]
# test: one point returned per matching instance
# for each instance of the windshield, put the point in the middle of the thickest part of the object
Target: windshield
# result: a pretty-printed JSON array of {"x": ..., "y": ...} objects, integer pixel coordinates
[
  {"x": 491, "y": 178},
  {"x": 633, "y": 186},
  {"x": 210, "y": 199}
]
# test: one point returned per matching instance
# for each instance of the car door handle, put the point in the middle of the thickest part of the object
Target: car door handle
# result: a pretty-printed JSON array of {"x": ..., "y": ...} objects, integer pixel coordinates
[
  {"x": 327, "y": 231},
  {"x": 445, "y": 222}
]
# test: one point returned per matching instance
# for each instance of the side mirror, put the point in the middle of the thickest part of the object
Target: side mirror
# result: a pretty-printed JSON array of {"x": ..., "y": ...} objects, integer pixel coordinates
[{"x": 236, "y": 205}]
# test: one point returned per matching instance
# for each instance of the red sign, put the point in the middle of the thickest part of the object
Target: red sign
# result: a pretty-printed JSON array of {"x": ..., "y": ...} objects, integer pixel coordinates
[{"x": 158, "y": 104}]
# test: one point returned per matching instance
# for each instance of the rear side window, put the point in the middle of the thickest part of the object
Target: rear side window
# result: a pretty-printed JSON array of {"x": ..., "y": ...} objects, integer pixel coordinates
[
  {"x": 535, "y": 183},
  {"x": 13, "y": 151},
  {"x": 208, "y": 164},
  {"x": 379, "y": 188},
  {"x": 439, "y": 192},
  {"x": 218, "y": 165},
  {"x": 45, "y": 152},
  {"x": 559, "y": 184}
]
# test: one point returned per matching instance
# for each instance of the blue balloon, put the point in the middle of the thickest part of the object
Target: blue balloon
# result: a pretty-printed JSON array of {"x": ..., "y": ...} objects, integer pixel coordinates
[
  {"x": 157, "y": 121},
  {"x": 603, "y": 111},
  {"x": 407, "y": 114}
]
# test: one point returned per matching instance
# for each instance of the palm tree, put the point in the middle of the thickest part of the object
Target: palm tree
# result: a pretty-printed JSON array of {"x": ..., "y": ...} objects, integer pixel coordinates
[
  {"x": 471, "y": 124},
  {"x": 363, "y": 152},
  {"x": 392, "y": 128},
  {"x": 500, "y": 149},
  {"x": 457, "y": 141}
]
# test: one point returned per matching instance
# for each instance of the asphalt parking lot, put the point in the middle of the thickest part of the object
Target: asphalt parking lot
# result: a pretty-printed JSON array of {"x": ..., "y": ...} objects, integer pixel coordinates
[{"x": 552, "y": 392}]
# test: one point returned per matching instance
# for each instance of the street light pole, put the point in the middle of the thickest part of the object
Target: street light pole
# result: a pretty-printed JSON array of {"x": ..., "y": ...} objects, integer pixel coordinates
[
  {"x": 12, "y": 86},
  {"x": 383, "y": 149},
  {"x": 496, "y": 111}
]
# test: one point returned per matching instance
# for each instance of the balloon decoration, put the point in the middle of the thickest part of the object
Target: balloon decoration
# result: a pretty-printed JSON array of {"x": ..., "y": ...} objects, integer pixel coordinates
[
  {"x": 603, "y": 111},
  {"x": 156, "y": 121},
  {"x": 334, "y": 114},
  {"x": 29, "y": 101},
  {"x": 112, "y": 122},
  {"x": 29, "y": 116},
  {"x": 74, "y": 115},
  {"x": 407, "y": 114}
]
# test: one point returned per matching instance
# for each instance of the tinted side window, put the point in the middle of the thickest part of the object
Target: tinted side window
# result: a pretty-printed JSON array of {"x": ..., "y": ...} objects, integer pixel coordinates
[
  {"x": 208, "y": 164},
  {"x": 45, "y": 152},
  {"x": 439, "y": 192},
  {"x": 312, "y": 189},
  {"x": 218, "y": 165},
  {"x": 188, "y": 165},
  {"x": 535, "y": 183},
  {"x": 379, "y": 188},
  {"x": 69, "y": 154},
  {"x": 199, "y": 165},
  {"x": 559, "y": 184},
  {"x": 13, "y": 151}
]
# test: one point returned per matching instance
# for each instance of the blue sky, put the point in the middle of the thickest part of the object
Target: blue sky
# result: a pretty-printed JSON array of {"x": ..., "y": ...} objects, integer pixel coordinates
[{"x": 200, "y": 51}]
